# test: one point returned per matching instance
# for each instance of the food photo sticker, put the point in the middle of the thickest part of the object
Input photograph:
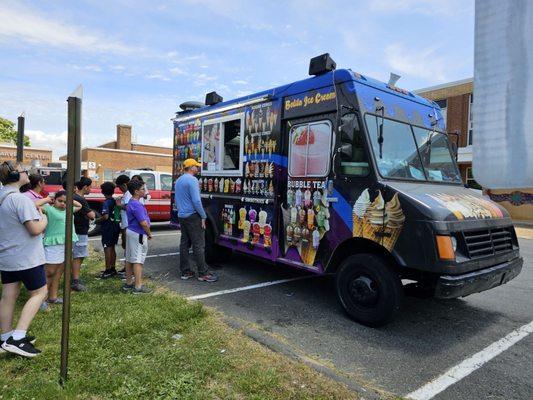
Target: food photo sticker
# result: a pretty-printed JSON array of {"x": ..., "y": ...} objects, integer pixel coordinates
[
  {"x": 306, "y": 217},
  {"x": 465, "y": 206},
  {"x": 377, "y": 220},
  {"x": 254, "y": 226}
]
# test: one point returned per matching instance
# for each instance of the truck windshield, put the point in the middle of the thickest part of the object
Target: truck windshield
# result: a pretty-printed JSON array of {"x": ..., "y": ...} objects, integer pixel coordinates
[{"x": 410, "y": 152}]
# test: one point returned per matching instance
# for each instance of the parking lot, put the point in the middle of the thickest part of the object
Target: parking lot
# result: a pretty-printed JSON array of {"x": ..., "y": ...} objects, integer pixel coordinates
[{"x": 298, "y": 314}]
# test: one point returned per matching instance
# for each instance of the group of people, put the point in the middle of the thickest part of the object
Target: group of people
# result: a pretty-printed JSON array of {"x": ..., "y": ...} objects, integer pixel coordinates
[{"x": 33, "y": 237}]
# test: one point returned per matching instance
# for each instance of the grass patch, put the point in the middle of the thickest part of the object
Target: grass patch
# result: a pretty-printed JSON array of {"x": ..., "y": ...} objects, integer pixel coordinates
[{"x": 121, "y": 348}]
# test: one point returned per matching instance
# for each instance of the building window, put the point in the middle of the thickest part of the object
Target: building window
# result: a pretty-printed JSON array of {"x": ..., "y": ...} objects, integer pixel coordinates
[
  {"x": 222, "y": 146},
  {"x": 470, "y": 118},
  {"x": 470, "y": 181},
  {"x": 310, "y": 149},
  {"x": 149, "y": 180},
  {"x": 443, "y": 104},
  {"x": 166, "y": 182},
  {"x": 108, "y": 175}
]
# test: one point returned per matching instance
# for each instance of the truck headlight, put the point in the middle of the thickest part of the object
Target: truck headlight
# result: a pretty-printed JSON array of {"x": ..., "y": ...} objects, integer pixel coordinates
[{"x": 454, "y": 244}]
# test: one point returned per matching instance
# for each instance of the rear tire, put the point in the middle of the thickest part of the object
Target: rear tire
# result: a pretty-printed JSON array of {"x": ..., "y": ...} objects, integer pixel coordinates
[
  {"x": 214, "y": 252},
  {"x": 369, "y": 290}
]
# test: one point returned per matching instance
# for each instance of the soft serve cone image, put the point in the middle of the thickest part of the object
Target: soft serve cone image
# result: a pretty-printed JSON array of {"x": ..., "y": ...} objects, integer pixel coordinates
[
  {"x": 394, "y": 226},
  {"x": 375, "y": 219},
  {"x": 358, "y": 212}
]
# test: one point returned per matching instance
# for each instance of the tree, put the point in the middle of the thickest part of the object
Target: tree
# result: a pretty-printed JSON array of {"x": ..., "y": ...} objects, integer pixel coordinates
[{"x": 8, "y": 133}]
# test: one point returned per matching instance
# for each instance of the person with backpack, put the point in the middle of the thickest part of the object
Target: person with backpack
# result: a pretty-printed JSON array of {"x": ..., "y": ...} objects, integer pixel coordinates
[
  {"x": 22, "y": 260},
  {"x": 110, "y": 227}
]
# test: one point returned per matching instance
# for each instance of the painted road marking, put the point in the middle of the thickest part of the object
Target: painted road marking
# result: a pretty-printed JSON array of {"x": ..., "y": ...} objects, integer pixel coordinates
[
  {"x": 240, "y": 289},
  {"x": 465, "y": 368}
]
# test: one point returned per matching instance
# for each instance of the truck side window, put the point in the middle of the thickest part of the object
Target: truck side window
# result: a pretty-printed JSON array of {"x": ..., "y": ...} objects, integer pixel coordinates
[
  {"x": 149, "y": 180},
  {"x": 357, "y": 163},
  {"x": 310, "y": 149},
  {"x": 166, "y": 182}
]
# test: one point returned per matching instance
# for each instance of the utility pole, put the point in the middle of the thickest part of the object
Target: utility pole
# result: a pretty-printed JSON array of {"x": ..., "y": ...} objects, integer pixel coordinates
[{"x": 20, "y": 138}]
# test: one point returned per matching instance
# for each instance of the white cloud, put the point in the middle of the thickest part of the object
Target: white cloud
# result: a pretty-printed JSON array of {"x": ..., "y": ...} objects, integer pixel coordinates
[
  {"x": 158, "y": 76},
  {"x": 426, "y": 7},
  {"x": 203, "y": 79},
  {"x": 421, "y": 63},
  {"x": 177, "y": 71},
  {"x": 240, "y": 82},
  {"x": 22, "y": 24},
  {"x": 57, "y": 142}
]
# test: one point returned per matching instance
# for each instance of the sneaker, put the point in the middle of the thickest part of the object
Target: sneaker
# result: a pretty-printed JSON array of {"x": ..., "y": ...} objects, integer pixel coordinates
[
  {"x": 21, "y": 347},
  {"x": 108, "y": 273},
  {"x": 142, "y": 290},
  {"x": 122, "y": 272},
  {"x": 127, "y": 287},
  {"x": 187, "y": 275},
  {"x": 44, "y": 306},
  {"x": 208, "y": 277},
  {"x": 59, "y": 300},
  {"x": 77, "y": 286}
]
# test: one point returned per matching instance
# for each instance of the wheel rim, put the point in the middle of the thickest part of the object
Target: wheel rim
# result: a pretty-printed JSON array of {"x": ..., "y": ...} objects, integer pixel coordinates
[{"x": 364, "y": 291}]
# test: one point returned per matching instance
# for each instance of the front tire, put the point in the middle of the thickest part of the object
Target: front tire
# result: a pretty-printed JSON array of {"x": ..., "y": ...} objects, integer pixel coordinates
[{"x": 369, "y": 290}]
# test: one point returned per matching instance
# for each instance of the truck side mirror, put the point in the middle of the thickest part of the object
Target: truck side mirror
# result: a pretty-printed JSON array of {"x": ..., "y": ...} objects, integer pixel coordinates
[{"x": 348, "y": 125}]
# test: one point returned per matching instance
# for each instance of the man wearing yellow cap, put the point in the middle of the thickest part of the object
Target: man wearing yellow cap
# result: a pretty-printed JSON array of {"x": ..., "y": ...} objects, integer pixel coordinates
[{"x": 192, "y": 218}]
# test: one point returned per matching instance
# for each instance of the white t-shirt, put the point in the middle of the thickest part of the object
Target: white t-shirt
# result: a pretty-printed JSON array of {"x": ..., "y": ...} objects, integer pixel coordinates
[
  {"x": 125, "y": 199},
  {"x": 19, "y": 250}
]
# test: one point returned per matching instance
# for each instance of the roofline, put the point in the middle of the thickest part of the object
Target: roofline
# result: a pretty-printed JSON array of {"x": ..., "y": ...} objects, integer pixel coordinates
[
  {"x": 144, "y": 153},
  {"x": 444, "y": 85},
  {"x": 12, "y": 146}
]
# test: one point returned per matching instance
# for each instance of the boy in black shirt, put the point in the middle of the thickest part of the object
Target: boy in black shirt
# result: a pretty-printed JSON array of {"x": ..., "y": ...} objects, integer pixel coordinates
[{"x": 110, "y": 229}]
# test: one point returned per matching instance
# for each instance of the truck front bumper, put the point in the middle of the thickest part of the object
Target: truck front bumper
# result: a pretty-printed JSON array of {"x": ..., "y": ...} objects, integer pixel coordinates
[{"x": 452, "y": 286}]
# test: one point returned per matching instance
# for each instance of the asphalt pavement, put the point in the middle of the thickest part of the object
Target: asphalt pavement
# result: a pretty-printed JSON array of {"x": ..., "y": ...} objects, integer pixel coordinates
[{"x": 301, "y": 316}]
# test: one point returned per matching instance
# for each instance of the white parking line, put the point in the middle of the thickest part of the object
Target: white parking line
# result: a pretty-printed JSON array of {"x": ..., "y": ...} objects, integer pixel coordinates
[
  {"x": 240, "y": 289},
  {"x": 94, "y": 239},
  {"x": 465, "y": 368}
]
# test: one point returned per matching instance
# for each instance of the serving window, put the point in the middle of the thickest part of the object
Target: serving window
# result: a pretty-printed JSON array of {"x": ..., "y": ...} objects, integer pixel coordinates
[
  {"x": 222, "y": 146},
  {"x": 310, "y": 149}
]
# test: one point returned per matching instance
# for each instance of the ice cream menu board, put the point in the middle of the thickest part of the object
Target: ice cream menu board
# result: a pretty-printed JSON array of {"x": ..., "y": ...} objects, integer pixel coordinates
[
  {"x": 187, "y": 143},
  {"x": 259, "y": 145}
]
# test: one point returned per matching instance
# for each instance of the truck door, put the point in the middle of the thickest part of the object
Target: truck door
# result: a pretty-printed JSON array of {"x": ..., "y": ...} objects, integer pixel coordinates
[
  {"x": 305, "y": 209},
  {"x": 153, "y": 205},
  {"x": 166, "y": 189}
]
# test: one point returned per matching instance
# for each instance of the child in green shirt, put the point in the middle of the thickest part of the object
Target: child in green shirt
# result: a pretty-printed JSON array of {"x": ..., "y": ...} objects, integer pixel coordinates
[{"x": 54, "y": 243}]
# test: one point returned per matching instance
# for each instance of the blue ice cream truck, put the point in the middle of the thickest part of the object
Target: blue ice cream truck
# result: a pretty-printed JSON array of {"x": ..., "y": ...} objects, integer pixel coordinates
[{"x": 343, "y": 174}]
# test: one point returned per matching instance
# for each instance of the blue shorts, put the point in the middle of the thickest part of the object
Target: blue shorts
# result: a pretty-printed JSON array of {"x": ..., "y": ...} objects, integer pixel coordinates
[
  {"x": 33, "y": 278},
  {"x": 110, "y": 234},
  {"x": 80, "y": 249}
]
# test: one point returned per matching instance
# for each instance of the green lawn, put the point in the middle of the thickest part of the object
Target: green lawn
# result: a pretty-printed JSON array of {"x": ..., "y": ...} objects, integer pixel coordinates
[{"x": 121, "y": 348}]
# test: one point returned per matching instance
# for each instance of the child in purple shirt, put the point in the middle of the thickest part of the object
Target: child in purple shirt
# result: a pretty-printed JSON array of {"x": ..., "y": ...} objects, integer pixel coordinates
[{"x": 137, "y": 236}]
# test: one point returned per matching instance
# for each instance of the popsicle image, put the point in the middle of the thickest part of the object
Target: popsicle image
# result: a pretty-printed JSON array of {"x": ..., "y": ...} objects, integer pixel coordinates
[
  {"x": 242, "y": 218},
  {"x": 215, "y": 185},
  {"x": 221, "y": 185},
  {"x": 294, "y": 215},
  {"x": 246, "y": 231},
  {"x": 298, "y": 198},
  {"x": 210, "y": 185},
  {"x": 301, "y": 216},
  {"x": 310, "y": 218},
  {"x": 316, "y": 238},
  {"x": 290, "y": 197},
  {"x": 297, "y": 235},
  {"x": 316, "y": 198},
  {"x": 307, "y": 198}
]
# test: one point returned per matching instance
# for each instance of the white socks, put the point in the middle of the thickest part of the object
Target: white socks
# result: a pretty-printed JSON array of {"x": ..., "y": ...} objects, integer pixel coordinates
[
  {"x": 5, "y": 336},
  {"x": 18, "y": 334}
]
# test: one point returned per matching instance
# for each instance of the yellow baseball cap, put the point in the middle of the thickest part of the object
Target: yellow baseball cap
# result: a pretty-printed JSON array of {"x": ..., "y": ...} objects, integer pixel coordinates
[{"x": 191, "y": 162}]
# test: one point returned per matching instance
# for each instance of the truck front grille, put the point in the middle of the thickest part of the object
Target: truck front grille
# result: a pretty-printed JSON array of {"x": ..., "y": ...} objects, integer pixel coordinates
[{"x": 488, "y": 242}]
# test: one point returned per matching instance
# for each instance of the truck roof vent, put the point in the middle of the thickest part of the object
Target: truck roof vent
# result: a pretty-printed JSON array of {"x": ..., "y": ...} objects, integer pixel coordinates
[
  {"x": 191, "y": 105},
  {"x": 213, "y": 98}
]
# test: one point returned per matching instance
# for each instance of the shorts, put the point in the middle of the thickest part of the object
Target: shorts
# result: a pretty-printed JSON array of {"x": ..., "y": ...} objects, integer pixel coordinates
[
  {"x": 54, "y": 254},
  {"x": 80, "y": 248},
  {"x": 32, "y": 279},
  {"x": 110, "y": 235},
  {"x": 135, "y": 250}
]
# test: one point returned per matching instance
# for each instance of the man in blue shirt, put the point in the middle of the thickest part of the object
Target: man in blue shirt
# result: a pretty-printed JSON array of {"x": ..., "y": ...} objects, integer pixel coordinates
[{"x": 192, "y": 218}]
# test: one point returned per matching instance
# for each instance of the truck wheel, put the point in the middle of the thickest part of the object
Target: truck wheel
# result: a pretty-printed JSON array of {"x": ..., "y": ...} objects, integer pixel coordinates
[
  {"x": 214, "y": 252},
  {"x": 94, "y": 228},
  {"x": 368, "y": 289}
]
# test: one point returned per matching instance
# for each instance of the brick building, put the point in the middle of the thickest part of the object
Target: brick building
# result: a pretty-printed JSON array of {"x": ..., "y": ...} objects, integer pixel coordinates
[
  {"x": 456, "y": 100},
  {"x": 32, "y": 156},
  {"x": 103, "y": 161}
]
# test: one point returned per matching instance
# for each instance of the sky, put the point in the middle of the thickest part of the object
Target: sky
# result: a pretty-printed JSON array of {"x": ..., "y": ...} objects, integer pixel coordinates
[{"x": 138, "y": 60}]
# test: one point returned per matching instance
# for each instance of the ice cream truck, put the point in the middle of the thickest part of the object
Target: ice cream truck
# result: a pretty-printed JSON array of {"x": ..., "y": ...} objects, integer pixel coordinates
[{"x": 346, "y": 175}]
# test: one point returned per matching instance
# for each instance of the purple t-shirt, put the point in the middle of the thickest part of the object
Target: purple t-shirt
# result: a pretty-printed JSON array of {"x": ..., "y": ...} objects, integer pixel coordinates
[{"x": 136, "y": 213}]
